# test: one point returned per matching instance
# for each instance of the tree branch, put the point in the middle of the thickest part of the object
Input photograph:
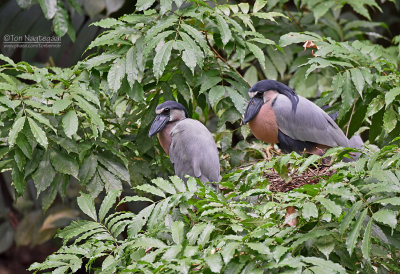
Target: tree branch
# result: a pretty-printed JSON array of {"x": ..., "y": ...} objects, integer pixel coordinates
[{"x": 223, "y": 59}]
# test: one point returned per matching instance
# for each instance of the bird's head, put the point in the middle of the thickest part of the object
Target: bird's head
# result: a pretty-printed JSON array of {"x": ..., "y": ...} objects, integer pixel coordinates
[
  {"x": 169, "y": 111},
  {"x": 256, "y": 94}
]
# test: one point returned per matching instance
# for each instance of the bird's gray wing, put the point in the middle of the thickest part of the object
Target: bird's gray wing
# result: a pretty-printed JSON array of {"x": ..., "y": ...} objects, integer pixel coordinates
[
  {"x": 193, "y": 151},
  {"x": 308, "y": 123}
]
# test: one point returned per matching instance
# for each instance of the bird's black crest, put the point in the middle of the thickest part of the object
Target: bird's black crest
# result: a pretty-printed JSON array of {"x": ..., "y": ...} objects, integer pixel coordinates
[
  {"x": 265, "y": 85},
  {"x": 173, "y": 105}
]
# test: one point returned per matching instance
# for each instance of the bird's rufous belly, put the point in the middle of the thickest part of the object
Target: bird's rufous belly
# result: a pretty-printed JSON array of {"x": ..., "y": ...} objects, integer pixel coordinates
[{"x": 264, "y": 125}]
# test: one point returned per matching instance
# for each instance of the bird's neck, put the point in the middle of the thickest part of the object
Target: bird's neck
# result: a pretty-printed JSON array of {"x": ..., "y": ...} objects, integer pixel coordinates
[
  {"x": 164, "y": 136},
  {"x": 270, "y": 95}
]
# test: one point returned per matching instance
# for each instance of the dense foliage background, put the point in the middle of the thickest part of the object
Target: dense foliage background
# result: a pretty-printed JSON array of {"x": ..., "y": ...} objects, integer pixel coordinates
[{"x": 81, "y": 131}]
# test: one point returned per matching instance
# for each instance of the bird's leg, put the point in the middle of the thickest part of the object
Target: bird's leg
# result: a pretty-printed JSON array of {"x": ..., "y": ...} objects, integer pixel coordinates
[{"x": 268, "y": 152}]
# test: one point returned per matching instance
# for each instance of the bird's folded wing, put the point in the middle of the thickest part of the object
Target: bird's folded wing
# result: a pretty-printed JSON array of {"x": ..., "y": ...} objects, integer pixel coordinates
[
  {"x": 193, "y": 151},
  {"x": 308, "y": 123}
]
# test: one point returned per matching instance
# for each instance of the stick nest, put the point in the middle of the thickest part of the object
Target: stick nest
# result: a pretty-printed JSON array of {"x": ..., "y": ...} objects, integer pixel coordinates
[{"x": 310, "y": 176}]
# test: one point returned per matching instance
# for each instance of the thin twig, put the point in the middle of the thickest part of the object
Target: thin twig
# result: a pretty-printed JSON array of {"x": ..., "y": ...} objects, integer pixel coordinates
[
  {"x": 294, "y": 19},
  {"x": 351, "y": 117},
  {"x": 223, "y": 59}
]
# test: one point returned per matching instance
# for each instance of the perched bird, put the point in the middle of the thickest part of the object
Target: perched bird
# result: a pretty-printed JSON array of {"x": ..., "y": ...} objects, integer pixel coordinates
[
  {"x": 277, "y": 115},
  {"x": 189, "y": 144}
]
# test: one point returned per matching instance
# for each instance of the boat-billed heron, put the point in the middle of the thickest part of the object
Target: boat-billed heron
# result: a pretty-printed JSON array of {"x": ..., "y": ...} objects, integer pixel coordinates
[
  {"x": 189, "y": 144},
  {"x": 277, "y": 115}
]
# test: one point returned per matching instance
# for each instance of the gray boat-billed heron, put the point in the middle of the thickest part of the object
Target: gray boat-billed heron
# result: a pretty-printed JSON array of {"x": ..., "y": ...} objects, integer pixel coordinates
[
  {"x": 189, "y": 144},
  {"x": 277, "y": 115}
]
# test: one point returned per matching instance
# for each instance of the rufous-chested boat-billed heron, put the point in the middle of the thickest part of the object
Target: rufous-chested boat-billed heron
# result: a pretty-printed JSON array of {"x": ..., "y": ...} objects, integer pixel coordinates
[
  {"x": 189, "y": 144},
  {"x": 277, "y": 115}
]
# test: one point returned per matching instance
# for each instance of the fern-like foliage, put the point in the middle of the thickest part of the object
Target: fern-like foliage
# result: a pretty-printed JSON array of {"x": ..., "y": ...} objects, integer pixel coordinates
[{"x": 347, "y": 222}]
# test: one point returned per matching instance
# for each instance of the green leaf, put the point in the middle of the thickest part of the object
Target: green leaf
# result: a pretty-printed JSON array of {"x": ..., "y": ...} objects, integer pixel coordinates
[
  {"x": 261, "y": 248},
  {"x": 107, "y": 203},
  {"x": 224, "y": 29},
  {"x": 389, "y": 119},
  {"x": 215, "y": 94},
  {"x": 44, "y": 174},
  {"x": 11, "y": 104},
  {"x": 164, "y": 185},
  {"x": 352, "y": 238},
  {"x": 177, "y": 230},
  {"x": 165, "y": 5},
  {"x": 322, "y": 8},
  {"x": 366, "y": 243},
  {"x": 120, "y": 108},
  {"x": 258, "y": 5},
  {"x": 116, "y": 168},
  {"x": 331, "y": 206},
  {"x": 269, "y": 15},
  {"x": 20, "y": 159},
  {"x": 205, "y": 234},
  {"x": 309, "y": 210},
  {"x": 40, "y": 118},
  {"x": 349, "y": 216},
  {"x": 140, "y": 220},
  {"x": 197, "y": 35},
  {"x": 228, "y": 251},
  {"x": 70, "y": 123},
  {"x": 294, "y": 37},
  {"x": 310, "y": 160},
  {"x": 60, "y": 105},
  {"x": 67, "y": 144},
  {"x": 129, "y": 199},
  {"x": 110, "y": 181},
  {"x": 162, "y": 57},
  {"x": 151, "y": 189},
  {"x": 237, "y": 99},
  {"x": 258, "y": 53},
  {"x": 49, "y": 8},
  {"x": 393, "y": 201},
  {"x": 391, "y": 95},
  {"x": 244, "y": 7},
  {"x": 178, "y": 183},
  {"x": 189, "y": 57},
  {"x": 325, "y": 264},
  {"x": 63, "y": 163},
  {"x": 137, "y": 92},
  {"x": 214, "y": 262},
  {"x": 86, "y": 204},
  {"x": 115, "y": 74},
  {"x": 358, "y": 80},
  {"x": 100, "y": 59},
  {"x": 107, "y": 23},
  {"x": 387, "y": 217},
  {"x": 90, "y": 110},
  {"x": 147, "y": 242},
  {"x": 18, "y": 180},
  {"x": 60, "y": 20},
  {"x": 7, "y": 59},
  {"x": 208, "y": 81},
  {"x": 24, "y": 145},
  {"x": 16, "y": 128},
  {"x": 155, "y": 41},
  {"x": 144, "y": 4},
  {"x": 38, "y": 133}
]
